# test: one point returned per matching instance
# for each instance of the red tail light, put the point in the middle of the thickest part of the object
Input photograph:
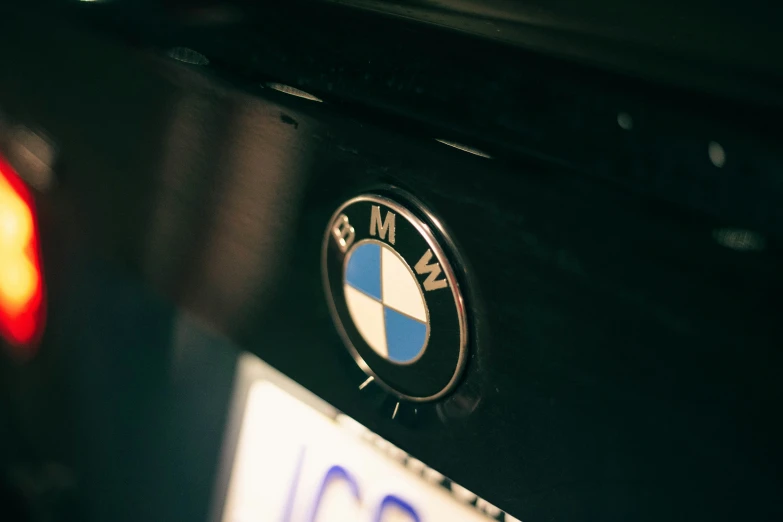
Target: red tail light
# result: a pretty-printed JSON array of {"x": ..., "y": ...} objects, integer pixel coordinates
[{"x": 22, "y": 307}]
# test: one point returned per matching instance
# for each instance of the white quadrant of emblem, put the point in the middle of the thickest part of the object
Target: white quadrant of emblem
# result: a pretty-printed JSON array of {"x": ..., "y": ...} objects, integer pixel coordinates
[{"x": 385, "y": 302}]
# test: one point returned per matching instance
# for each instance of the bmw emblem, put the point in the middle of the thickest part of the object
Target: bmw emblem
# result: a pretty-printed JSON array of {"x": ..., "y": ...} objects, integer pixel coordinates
[{"x": 394, "y": 294}]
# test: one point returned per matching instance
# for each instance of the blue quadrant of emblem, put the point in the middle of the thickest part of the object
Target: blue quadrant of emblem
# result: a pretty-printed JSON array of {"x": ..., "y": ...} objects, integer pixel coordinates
[
  {"x": 364, "y": 269},
  {"x": 405, "y": 337}
]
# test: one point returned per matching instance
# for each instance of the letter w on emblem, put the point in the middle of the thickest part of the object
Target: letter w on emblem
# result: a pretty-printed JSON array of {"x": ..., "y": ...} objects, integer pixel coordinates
[
  {"x": 422, "y": 267},
  {"x": 378, "y": 228}
]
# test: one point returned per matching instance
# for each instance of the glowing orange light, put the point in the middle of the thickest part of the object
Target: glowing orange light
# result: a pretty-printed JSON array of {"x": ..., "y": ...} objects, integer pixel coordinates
[
  {"x": 18, "y": 283},
  {"x": 16, "y": 222},
  {"x": 21, "y": 286}
]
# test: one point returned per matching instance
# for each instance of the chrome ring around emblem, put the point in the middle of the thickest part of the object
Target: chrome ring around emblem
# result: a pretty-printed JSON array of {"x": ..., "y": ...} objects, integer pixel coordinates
[{"x": 394, "y": 294}]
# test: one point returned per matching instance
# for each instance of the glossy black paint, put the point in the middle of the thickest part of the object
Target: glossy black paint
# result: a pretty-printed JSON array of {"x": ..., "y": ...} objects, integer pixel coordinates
[
  {"x": 506, "y": 101},
  {"x": 721, "y": 47},
  {"x": 625, "y": 365}
]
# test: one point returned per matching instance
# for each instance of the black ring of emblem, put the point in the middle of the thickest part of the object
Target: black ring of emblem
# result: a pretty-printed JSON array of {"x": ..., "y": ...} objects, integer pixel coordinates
[{"x": 439, "y": 367}]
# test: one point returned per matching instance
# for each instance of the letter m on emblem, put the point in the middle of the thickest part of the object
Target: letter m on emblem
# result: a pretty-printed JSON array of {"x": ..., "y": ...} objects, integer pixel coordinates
[{"x": 381, "y": 228}]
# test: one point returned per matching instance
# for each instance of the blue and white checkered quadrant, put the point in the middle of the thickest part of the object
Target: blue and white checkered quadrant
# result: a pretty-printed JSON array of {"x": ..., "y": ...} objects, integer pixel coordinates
[{"x": 385, "y": 302}]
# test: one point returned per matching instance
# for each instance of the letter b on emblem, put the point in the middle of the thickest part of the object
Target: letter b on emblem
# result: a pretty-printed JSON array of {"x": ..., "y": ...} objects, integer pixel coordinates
[{"x": 343, "y": 232}]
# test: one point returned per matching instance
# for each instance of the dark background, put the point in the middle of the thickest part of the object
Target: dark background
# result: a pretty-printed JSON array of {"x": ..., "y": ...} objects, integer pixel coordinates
[{"x": 626, "y": 356}]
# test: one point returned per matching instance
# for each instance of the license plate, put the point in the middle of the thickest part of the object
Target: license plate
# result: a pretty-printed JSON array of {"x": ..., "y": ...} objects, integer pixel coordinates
[{"x": 298, "y": 463}]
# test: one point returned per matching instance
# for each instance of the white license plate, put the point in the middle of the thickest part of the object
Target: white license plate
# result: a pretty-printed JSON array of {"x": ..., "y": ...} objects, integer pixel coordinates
[{"x": 294, "y": 463}]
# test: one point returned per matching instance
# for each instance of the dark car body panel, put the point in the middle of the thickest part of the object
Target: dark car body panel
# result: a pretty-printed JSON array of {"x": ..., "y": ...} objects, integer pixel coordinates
[{"x": 625, "y": 358}]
